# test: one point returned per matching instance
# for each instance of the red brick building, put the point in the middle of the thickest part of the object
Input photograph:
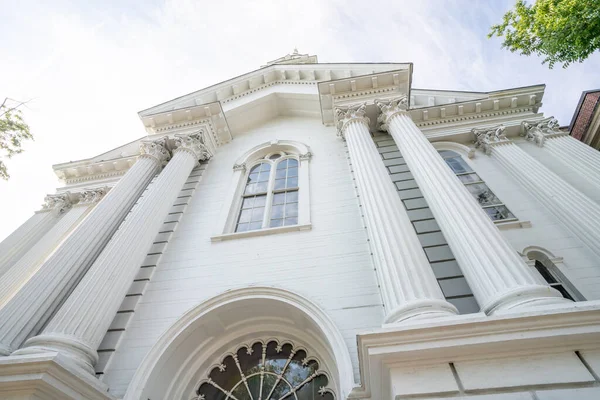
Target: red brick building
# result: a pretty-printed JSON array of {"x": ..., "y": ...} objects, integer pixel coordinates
[{"x": 585, "y": 125}]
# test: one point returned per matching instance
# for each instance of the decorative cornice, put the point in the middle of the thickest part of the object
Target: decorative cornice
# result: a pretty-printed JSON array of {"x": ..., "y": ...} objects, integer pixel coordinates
[
  {"x": 57, "y": 203},
  {"x": 471, "y": 116},
  {"x": 390, "y": 108},
  {"x": 239, "y": 167},
  {"x": 487, "y": 138},
  {"x": 306, "y": 156},
  {"x": 92, "y": 196},
  {"x": 540, "y": 130},
  {"x": 155, "y": 149},
  {"x": 346, "y": 115},
  {"x": 193, "y": 143}
]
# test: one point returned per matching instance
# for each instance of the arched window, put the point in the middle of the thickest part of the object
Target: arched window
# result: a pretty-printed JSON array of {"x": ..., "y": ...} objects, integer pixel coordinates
[
  {"x": 270, "y": 198},
  {"x": 552, "y": 280},
  {"x": 266, "y": 371},
  {"x": 491, "y": 204}
]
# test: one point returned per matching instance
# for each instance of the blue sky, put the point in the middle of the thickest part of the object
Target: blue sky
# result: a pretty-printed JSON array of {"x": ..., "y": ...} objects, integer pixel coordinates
[{"x": 90, "y": 66}]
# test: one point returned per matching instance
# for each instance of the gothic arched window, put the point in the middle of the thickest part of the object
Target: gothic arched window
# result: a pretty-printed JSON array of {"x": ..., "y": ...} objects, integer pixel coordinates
[
  {"x": 491, "y": 204},
  {"x": 266, "y": 371},
  {"x": 270, "y": 197}
]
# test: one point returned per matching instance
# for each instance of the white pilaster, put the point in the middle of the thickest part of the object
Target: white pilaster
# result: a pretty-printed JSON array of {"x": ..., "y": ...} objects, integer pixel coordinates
[
  {"x": 575, "y": 210},
  {"x": 80, "y": 324},
  {"x": 27, "y": 235},
  {"x": 573, "y": 153},
  {"x": 30, "y": 308},
  {"x": 28, "y": 265},
  {"x": 497, "y": 275},
  {"x": 409, "y": 287}
]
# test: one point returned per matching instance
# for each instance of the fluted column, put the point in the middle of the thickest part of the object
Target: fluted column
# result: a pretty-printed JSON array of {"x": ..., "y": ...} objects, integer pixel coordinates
[
  {"x": 28, "y": 265},
  {"x": 27, "y": 235},
  {"x": 80, "y": 324},
  {"x": 498, "y": 276},
  {"x": 576, "y": 211},
  {"x": 578, "y": 155},
  {"x": 30, "y": 308},
  {"x": 408, "y": 286}
]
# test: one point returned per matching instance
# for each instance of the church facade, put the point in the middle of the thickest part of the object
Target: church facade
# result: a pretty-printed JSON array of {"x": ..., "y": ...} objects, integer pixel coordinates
[{"x": 314, "y": 231}]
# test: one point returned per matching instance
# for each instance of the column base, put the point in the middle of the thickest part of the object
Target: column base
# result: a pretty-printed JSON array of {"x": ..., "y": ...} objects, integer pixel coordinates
[
  {"x": 5, "y": 350},
  {"x": 79, "y": 354},
  {"x": 420, "y": 310},
  {"x": 524, "y": 297},
  {"x": 47, "y": 376}
]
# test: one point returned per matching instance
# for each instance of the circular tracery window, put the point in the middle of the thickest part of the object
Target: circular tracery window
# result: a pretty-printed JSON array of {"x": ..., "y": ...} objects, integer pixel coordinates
[{"x": 266, "y": 371}]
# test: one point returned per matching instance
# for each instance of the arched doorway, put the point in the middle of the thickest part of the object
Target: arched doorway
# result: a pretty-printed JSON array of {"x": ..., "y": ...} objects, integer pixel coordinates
[{"x": 206, "y": 338}]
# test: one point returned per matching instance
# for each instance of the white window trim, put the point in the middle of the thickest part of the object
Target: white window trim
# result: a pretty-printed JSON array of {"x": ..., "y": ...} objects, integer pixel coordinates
[
  {"x": 241, "y": 169},
  {"x": 468, "y": 153}
]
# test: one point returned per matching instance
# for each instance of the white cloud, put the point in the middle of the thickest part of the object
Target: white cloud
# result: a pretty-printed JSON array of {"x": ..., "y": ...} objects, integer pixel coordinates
[{"x": 91, "y": 66}]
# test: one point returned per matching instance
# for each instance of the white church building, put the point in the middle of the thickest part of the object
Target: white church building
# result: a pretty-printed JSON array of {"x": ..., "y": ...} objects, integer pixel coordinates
[{"x": 311, "y": 231}]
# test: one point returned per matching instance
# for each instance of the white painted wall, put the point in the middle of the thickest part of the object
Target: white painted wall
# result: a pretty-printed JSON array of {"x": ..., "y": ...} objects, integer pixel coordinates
[{"x": 330, "y": 264}]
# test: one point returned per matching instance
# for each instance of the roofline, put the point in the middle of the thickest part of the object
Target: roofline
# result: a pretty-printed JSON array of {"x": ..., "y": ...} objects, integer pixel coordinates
[
  {"x": 578, "y": 107},
  {"x": 263, "y": 68}
]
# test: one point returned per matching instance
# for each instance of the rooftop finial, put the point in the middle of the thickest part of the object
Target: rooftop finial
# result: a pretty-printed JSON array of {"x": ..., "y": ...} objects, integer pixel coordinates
[{"x": 295, "y": 58}]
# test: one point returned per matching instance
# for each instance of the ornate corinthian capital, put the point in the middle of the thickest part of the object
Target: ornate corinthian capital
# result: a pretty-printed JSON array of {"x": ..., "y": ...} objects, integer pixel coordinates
[
  {"x": 389, "y": 108},
  {"x": 486, "y": 138},
  {"x": 540, "y": 130},
  {"x": 194, "y": 143},
  {"x": 345, "y": 115},
  {"x": 91, "y": 196},
  {"x": 156, "y": 149},
  {"x": 57, "y": 203}
]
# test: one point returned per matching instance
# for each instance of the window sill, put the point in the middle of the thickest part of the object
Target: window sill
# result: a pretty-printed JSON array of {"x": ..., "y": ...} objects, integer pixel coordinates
[
  {"x": 504, "y": 226},
  {"x": 261, "y": 232}
]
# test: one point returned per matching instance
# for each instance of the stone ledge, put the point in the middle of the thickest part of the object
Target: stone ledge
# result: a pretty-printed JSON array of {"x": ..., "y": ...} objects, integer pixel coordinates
[{"x": 47, "y": 376}]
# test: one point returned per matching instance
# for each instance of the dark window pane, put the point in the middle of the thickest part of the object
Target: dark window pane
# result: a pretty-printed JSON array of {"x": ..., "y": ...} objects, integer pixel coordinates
[
  {"x": 448, "y": 153},
  {"x": 544, "y": 272},
  {"x": 563, "y": 291},
  {"x": 264, "y": 176},
  {"x": 292, "y": 171},
  {"x": 469, "y": 178},
  {"x": 265, "y": 167},
  {"x": 458, "y": 165},
  {"x": 253, "y": 177},
  {"x": 497, "y": 213},
  {"x": 483, "y": 194},
  {"x": 256, "y": 168},
  {"x": 292, "y": 163},
  {"x": 242, "y": 228},
  {"x": 274, "y": 156}
]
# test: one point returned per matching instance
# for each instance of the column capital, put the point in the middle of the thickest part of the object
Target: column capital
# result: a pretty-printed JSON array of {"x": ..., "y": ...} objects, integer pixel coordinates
[
  {"x": 348, "y": 114},
  {"x": 540, "y": 130},
  {"x": 486, "y": 138},
  {"x": 92, "y": 196},
  {"x": 57, "y": 203},
  {"x": 193, "y": 143},
  {"x": 390, "y": 108},
  {"x": 155, "y": 149}
]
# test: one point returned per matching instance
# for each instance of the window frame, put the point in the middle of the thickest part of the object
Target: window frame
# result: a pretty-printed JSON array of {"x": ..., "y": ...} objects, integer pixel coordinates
[
  {"x": 480, "y": 181},
  {"x": 270, "y": 191},
  {"x": 232, "y": 201}
]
